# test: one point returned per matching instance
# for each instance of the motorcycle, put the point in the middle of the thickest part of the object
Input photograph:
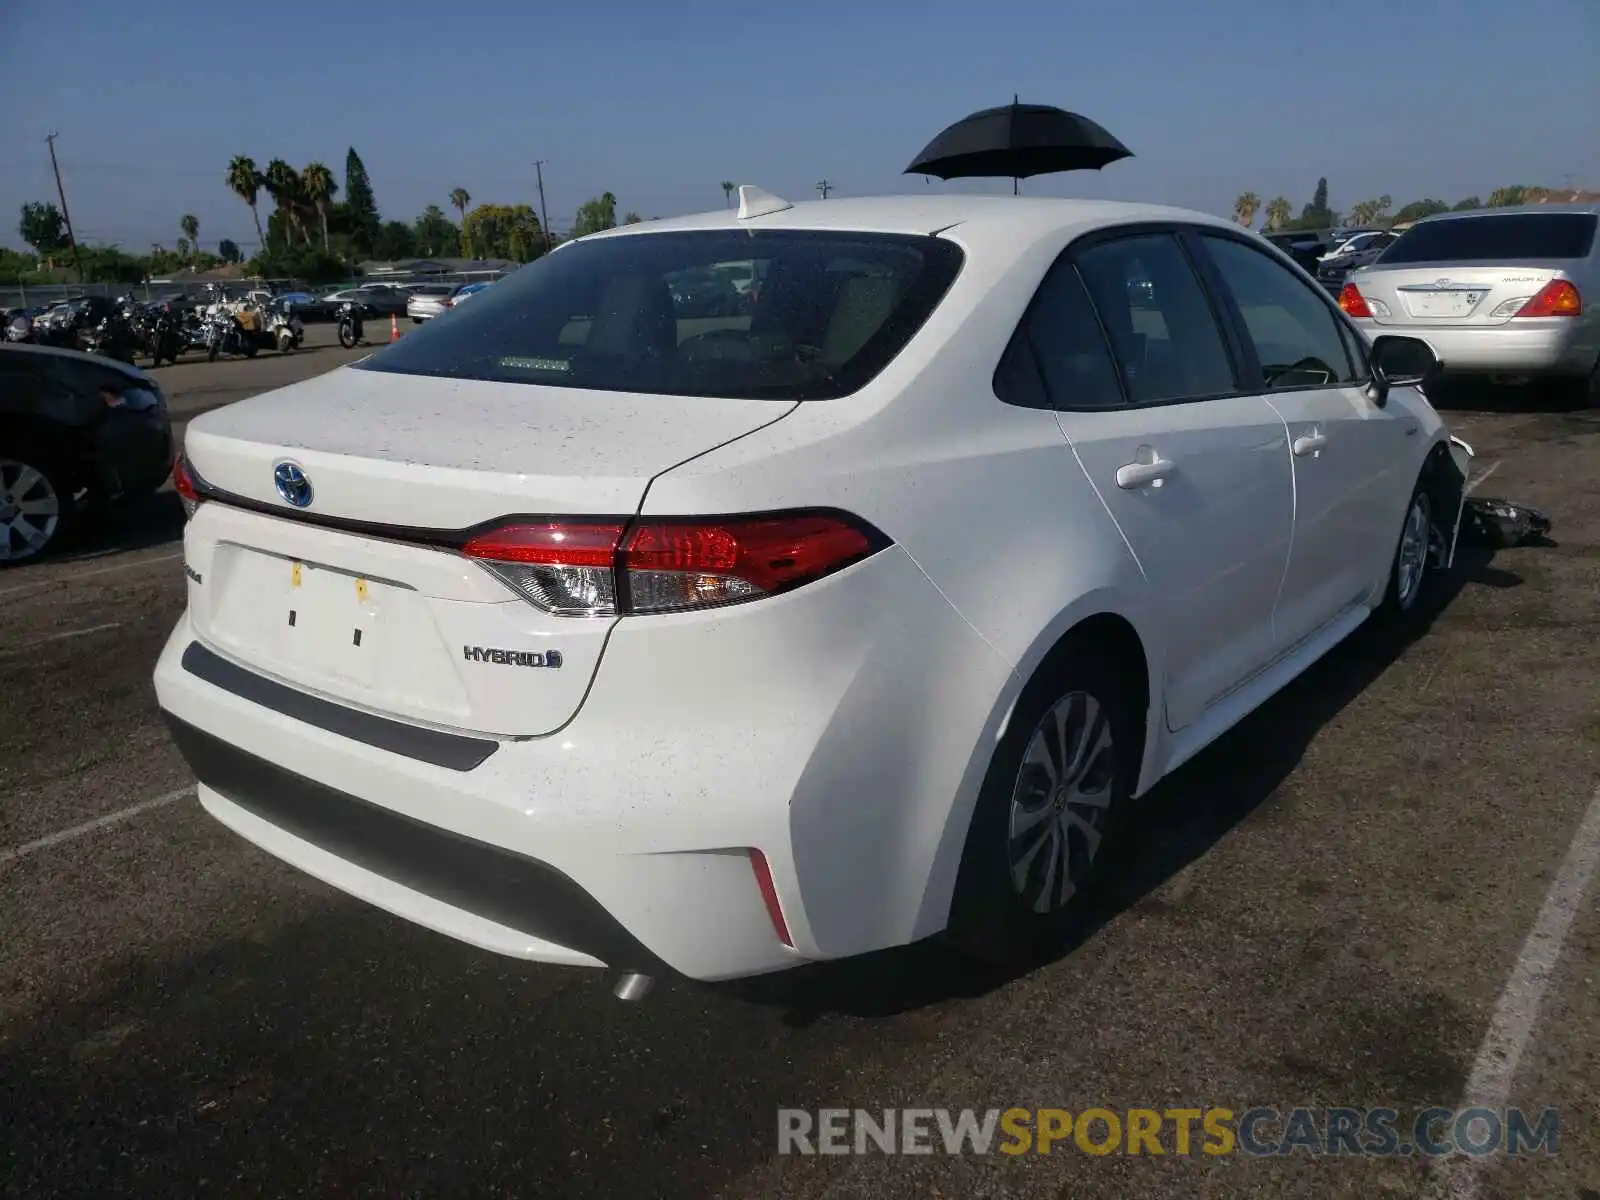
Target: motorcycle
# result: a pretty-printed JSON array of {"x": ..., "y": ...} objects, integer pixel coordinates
[
  {"x": 352, "y": 331},
  {"x": 114, "y": 338},
  {"x": 284, "y": 327},
  {"x": 164, "y": 336},
  {"x": 224, "y": 335},
  {"x": 20, "y": 329}
]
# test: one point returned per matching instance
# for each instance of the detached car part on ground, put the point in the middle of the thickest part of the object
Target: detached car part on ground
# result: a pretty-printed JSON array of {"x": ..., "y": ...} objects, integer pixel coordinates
[
  {"x": 77, "y": 431},
  {"x": 590, "y": 631}
]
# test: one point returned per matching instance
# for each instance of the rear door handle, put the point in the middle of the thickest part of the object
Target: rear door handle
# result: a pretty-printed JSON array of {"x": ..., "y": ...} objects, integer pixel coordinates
[
  {"x": 1140, "y": 474},
  {"x": 1309, "y": 444}
]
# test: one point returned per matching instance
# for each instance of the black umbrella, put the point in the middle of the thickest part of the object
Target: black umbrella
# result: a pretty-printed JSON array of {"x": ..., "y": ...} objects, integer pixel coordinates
[{"x": 1019, "y": 140}]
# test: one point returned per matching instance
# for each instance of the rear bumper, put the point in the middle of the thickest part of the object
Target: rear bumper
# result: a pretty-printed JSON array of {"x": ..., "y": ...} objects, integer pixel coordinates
[
  {"x": 1557, "y": 346},
  {"x": 818, "y": 729}
]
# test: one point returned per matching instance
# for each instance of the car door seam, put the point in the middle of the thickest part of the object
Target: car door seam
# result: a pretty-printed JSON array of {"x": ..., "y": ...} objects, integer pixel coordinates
[
  {"x": 1098, "y": 495},
  {"x": 1294, "y": 513}
]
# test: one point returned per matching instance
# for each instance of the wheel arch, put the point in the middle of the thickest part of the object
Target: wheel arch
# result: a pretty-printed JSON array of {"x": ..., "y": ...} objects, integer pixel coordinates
[{"x": 1093, "y": 624}]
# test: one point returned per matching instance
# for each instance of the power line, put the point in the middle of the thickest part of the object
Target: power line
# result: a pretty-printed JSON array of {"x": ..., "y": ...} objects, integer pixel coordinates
[{"x": 544, "y": 217}]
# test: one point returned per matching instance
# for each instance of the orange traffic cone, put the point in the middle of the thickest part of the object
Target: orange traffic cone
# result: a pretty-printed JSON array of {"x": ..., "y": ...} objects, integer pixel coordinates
[{"x": 394, "y": 328}]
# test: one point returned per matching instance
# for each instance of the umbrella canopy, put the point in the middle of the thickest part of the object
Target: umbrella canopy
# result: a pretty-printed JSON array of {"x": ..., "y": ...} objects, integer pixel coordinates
[{"x": 1019, "y": 140}]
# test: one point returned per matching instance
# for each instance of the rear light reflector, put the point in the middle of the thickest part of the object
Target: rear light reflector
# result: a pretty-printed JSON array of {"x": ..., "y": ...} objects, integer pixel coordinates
[
  {"x": 567, "y": 569},
  {"x": 1558, "y": 298},
  {"x": 1354, "y": 303},
  {"x": 183, "y": 481},
  {"x": 606, "y": 568},
  {"x": 769, "y": 897}
]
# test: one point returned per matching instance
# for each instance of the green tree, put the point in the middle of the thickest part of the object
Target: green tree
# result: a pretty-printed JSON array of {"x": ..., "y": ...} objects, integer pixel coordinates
[
  {"x": 43, "y": 227},
  {"x": 459, "y": 199},
  {"x": 363, "y": 207},
  {"x": 190, "y": 224},
  {"x": 1278, "y": 212},
  {"x": 727, "y": 192},
  {"x": 435, "y": 234},
  {"x": 1244, "y": 208},
  {"x": 1466, "y": 205},
  {"x": 1317, "y": 214},
  {"x": 244, "y": 181},
  {"x": 394, "y": 241},
  {"x": 185, "y": 250},
  {"x": 503, "y": 231},
  {"x": 632, "y": 218},
  {"x": 1509, "y": 197},
  {"x": 283, "y": 184},
  {"x": 228, "y": 251},
  {"x": 318, "y": 187},
  {"x": 1418, "y": 209},
  {"x": 595, "y": 215}
]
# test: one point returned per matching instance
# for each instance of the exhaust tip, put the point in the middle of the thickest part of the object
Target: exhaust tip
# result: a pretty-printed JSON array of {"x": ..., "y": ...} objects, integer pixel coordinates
[{"x": 633, "y": 987}]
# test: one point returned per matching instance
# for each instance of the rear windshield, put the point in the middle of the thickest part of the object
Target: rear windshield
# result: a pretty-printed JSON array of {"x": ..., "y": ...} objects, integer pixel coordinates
[
  {"x": 1512, "y": 236},
  {"x": 816, "y": 317}
]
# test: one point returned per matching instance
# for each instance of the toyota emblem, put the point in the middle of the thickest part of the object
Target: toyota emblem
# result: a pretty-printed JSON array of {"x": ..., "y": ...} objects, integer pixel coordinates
[{"x": 292, "y": 483}]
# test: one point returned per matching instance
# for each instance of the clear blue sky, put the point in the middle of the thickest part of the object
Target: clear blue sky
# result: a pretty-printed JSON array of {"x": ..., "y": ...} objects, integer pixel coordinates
[{"x": 659, "y": 102}]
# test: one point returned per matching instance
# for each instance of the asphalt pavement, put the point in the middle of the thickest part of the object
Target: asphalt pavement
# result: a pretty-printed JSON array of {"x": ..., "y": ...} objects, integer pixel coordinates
[{"x": 1369, "y": 895}]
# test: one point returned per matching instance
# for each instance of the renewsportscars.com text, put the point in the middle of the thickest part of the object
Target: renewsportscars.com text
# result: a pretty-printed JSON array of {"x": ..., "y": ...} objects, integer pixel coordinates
[{"x": 1370, "y": 1132}]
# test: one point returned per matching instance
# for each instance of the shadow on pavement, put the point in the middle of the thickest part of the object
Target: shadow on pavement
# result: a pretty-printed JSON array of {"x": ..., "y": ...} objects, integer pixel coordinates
[
  {"x": 352, "y": 1054},
  {"x": 154, "y": 521}
]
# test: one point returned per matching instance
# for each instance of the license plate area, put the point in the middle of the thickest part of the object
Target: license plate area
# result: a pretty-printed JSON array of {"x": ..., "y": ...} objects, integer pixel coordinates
[{"x": 1446, "y": 303}]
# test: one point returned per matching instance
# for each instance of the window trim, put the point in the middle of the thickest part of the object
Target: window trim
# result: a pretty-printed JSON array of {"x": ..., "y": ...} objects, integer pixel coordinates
[
  {"x": 1362, "y": 371},
  {"x": 1232, "y": 348}
]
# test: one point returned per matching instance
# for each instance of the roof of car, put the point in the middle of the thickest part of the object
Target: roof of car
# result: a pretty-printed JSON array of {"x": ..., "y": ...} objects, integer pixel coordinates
[
  {"x": 1593, "y": 209},
  {"x": 1021, "y": 217},
  {"x": 74, "y": 356}
]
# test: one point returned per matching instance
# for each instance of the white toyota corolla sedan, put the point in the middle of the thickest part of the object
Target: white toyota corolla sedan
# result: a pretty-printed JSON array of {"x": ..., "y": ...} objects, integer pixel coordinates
[{"x": 592, "y": 624}]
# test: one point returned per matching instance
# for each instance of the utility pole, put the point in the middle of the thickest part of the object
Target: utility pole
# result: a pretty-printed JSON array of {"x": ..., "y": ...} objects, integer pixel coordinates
[
  {"x": 824, "y": 188},
  {"x": 77, "y": 261},
  {"x": 544, "y": 217}
]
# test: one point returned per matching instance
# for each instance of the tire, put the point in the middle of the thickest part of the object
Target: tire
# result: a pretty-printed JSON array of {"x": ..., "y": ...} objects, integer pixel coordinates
[
  {"x": 285, "y": 343},
  {"x": 994, "y": 919},
  {"x": 1409, "y": 570},
  {"x": 36, "y": 505},
  {"x": 347, "y": 335}
]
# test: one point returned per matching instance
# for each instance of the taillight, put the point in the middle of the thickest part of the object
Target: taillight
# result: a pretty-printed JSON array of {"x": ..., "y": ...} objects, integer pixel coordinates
[
  {"x": 1558, "y": 298},
  {"x": 1354, "y": 303},
  {"x": 183, "y": 482},
  {"x": 568, "y": 569},
  {"x": 605, "y": 568}
]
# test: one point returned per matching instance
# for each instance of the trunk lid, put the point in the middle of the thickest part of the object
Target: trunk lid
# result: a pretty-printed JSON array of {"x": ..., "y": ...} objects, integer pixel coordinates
[
  {"x": 360, "y": 596},
  {"x": 1452, "y": 294}
]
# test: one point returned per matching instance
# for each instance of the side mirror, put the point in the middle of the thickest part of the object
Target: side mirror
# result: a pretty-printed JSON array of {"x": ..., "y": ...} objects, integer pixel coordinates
[{"x": 1400, "y": 362}]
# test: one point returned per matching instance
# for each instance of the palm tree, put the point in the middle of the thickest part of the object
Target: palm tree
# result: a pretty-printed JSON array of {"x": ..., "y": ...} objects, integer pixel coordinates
[
  {"x": 1244, "y": 209},
  {"x": 459, "y": 199},
  {"x": 727, "y": 192},
  {"x": 190, "y": 224},
  {"x": 245, "y": 182},
  {"x": 316, "y": 182},
  {"x": 1363, "y": 212},
  {"x": 283, "y": 184},
  {"x": 1278, "y": 211}
]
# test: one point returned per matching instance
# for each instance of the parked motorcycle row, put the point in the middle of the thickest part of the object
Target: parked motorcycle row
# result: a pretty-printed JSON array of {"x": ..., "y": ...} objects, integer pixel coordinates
[{"x": 126, "y": 329}]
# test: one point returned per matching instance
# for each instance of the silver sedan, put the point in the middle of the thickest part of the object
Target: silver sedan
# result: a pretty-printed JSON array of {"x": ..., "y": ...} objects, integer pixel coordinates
[
  {"x": 429, "y": 300},
  {"x": 1510, "y": 293}
]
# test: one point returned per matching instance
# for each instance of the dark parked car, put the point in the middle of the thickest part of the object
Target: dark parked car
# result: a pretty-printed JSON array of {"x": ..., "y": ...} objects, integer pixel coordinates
[
  {"x": 76, "y": 431},
  {"x": 377, "y": 300}
]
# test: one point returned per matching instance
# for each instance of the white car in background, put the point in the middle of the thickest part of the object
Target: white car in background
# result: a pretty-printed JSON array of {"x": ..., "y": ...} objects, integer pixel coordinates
[{"x": 592, "y": 634}]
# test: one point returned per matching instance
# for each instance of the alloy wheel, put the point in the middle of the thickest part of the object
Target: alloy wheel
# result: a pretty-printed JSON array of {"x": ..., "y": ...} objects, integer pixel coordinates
[
  {"x": 30, "y": 510},
  {"x": 1411, "y": 562},
  {"x": 1061, "y": 803}
]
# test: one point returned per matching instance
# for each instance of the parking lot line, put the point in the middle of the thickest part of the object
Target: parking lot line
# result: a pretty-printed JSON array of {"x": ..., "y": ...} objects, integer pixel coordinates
[
  {"x": 46, "y": 585},
  {"x": 77, "y": 831},
  {"x": 1488, "y": 471},
  {"x": 1516, "y": 1014}
]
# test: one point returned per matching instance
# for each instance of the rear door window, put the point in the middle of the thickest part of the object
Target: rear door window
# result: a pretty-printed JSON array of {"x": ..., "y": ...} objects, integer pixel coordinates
[
  {"x": 1166, "y": 338},
  {"x": 1495, "y": 238},
  {"x": 1069, "y": 345},
  {"x": 652, "y": 313}
]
